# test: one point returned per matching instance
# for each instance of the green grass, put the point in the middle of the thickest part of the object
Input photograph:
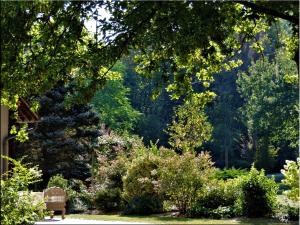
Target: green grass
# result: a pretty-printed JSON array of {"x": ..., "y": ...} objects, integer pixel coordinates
[{"x": 173, "y": 220}]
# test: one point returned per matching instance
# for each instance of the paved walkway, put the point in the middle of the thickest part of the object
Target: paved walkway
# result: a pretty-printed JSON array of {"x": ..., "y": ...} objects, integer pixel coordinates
[{"x": 79, "y": 221}]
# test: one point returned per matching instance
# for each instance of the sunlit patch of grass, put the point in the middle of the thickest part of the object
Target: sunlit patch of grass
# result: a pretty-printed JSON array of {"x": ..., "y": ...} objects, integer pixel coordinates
[{"x": 173, "y": 220}]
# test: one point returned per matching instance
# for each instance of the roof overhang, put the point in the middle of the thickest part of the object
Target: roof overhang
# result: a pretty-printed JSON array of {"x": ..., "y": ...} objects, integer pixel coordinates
[{"x": 25, "y": 114}]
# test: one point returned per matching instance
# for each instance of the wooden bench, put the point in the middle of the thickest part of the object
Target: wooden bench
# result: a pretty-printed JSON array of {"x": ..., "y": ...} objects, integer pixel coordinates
[{"x": 55, "y": 199}]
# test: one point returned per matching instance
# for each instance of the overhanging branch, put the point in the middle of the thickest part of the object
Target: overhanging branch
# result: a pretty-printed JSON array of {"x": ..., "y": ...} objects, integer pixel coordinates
[{"x": 269, "y": 11}]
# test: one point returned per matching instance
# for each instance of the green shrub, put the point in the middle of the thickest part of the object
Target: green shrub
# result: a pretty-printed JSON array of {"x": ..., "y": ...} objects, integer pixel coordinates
[
  {"x": 17, "y": 205},
  {"x": 293, "y": 213},
  {"x": 258, "y": 194},
  {"x": 140, "y": 185},
  {"x": 108, "y": 186},
  {"x": 218, "y": 200},
  {"x": 291, "y": 174},
  {"x": 182, "y": 178},
  {"x": 220, "y": 193},
  {"x": 58, "y": 181},
  {"x": 218, "y": 213},
  {"x": 144, "y": 204},
  {"x": 229, "y": 173},
  {"x": 287, "y": 212},
  {"x": 79, "y": 197},
  {"x": 222, "y": 212},
  {"x": 110, "y": 172},
  {"x": 108, "y": 200}
]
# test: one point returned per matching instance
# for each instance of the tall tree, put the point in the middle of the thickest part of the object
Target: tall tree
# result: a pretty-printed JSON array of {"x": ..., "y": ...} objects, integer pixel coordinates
[
  {"x": 46, "y": 42},
  {"x": 190, "y": 50},
  {"x": 148, "y": 95},
  {"x": 65, "y": 137},
  {"x": 190, "y": 127},
  {"x": 270, "y": 90},
  {"x": 114, "y": 106}
]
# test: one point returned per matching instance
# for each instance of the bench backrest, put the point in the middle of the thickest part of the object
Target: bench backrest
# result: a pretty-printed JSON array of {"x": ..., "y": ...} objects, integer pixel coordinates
[{"x": 55, "y": 194}]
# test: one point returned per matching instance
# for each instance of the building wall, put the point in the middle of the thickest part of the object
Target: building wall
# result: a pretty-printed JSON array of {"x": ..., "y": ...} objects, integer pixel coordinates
[{"x": 4, "y": 133}]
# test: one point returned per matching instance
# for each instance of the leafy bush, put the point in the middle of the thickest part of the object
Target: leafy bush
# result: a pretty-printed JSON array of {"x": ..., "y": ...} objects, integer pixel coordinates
[
  {"x": 258, "y": 194},
  {"x": 287, "y": 212},
  {"x": 293, "y": 213},
  {"x": 218, "y": 213},
  {"x": 144, "y": 204},
  {"x": 291, "y": 173},
  {"x": 108, "y": 184},
  {"x": 220, "y": 193},
  {"x": 79, "y": 197},
  {"x": 217, "y": 200},
  {"x": 229, "y": 173},
  {"x": 141, "y": 193},
  {"x": 222, "y": 212},
  {"x": 17, "y": 205},
  {"x": 108, "y": 200},
  {"x": 58, "y": 181},
  {"x": 110, "y": 172},
  {"x": 182, "y": 178}
]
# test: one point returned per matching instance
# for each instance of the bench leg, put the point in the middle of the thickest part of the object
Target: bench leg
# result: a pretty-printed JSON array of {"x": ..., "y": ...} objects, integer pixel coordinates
[
  {"x": 52, "y": 214},
  {"x": 63, "y": 214}
]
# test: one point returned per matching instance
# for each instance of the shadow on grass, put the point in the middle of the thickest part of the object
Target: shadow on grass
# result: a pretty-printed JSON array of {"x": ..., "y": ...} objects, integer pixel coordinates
[
  {"x": 248, "y": 221},
  {"x": 166, "y": 219},
  {"x": 158, "y": 218},
  {"x": 258, "y": 221}
]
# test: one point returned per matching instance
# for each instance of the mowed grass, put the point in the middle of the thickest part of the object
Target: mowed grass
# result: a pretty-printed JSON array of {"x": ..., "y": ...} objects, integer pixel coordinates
[{"x": 173, "y": 220}]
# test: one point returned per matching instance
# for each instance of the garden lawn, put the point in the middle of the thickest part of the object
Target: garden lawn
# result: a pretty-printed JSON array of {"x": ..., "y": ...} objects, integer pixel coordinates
[{"x": 172, "y": 220}]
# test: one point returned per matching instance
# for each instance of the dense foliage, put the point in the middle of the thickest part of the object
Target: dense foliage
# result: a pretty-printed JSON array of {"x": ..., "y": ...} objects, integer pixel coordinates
[
  {"x": 225, "y": 81},
  {"x": 190, "y": 127},
  {"x": 258, "y": 194},
  {"x": 66, "y": 136},
  {"x": 218, "y": 200},
  {"x": 229, "y": 173},
  {"x": 183, "y": 177},
  {"x": 270, "y": 91},
  {"x": 17, "y": 204},
  {"x": 141, "y": 193},
  {"x": 114, "y": 106},
  {"x": 291, "y": 172},
  {"x": 47, "y": 41}
]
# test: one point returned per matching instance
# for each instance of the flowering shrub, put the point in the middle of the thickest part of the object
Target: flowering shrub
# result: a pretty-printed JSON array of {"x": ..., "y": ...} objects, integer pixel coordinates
[
  {"x": 291, "y": 174},
  {"x": 183, "y": 177},
  {"x": 140, "y": 185},
  {"x": 16, "y": 201}
]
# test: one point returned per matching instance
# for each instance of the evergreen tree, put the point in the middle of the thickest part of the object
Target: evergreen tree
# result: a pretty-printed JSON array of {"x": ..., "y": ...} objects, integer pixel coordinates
[{"x": 65, "y": 137}]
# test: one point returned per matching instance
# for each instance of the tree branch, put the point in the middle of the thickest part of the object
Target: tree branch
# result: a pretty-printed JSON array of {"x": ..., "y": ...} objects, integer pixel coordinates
[{"x": 269, "y": 11}]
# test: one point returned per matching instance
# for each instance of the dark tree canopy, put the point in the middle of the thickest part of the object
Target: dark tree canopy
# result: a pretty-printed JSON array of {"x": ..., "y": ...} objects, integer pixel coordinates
[{"x": 187, "y": 41}]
